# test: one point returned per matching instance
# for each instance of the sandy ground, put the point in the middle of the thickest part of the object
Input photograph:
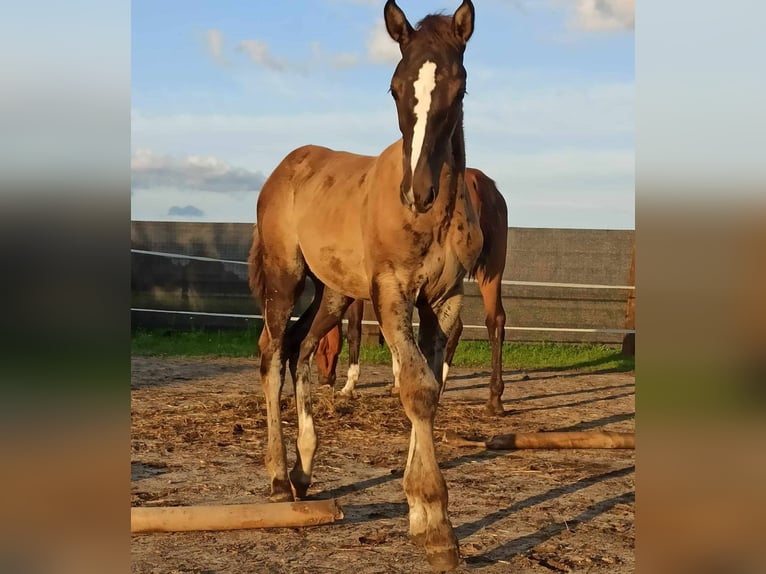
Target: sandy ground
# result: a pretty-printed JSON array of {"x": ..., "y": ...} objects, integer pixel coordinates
[{"x": 198, "y": 437}]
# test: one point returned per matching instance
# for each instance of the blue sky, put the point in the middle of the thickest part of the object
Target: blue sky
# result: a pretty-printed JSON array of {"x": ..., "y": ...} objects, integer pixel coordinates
[{"x": 222, "y": 91}]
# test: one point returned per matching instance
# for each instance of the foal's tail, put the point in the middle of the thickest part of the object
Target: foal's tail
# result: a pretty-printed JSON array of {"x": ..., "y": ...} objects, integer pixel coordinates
[{"x": 255, "y": 268}]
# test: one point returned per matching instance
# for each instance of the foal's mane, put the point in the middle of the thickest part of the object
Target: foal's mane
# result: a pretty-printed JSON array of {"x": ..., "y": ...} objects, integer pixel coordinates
[{"x": 439, "y": 26}]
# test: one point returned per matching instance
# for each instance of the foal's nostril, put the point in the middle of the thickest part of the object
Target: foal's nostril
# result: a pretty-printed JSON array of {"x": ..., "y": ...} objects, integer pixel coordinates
[{"x": 431, "y": 195}]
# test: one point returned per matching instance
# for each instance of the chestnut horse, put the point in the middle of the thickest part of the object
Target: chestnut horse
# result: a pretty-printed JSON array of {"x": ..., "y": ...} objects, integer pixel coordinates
[
  {"x": 398, "y": 229},
  {"x": 493, "y": 219}
]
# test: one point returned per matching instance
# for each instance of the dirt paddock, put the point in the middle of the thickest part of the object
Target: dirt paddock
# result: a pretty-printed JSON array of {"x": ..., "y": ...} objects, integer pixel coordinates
[{"x": 198, "y": 436}]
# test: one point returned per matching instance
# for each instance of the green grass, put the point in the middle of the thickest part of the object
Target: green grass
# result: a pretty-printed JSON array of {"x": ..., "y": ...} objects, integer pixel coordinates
[
  {"x": 517, "y": 356},
  {"x": 167, "y": 342}
]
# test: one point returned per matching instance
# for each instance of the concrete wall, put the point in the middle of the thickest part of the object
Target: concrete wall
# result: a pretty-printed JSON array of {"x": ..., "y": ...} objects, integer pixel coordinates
[{"x": 548, "y": 255}]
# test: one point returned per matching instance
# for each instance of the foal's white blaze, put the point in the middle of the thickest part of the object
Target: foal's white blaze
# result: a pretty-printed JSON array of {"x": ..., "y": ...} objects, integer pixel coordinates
[{"x": 424, "y": 85}]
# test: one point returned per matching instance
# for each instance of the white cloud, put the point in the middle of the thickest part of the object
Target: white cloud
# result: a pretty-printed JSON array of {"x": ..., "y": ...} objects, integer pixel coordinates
[
  {"x": 339, "y": 60},
  {"x": 260, "y": 54},
  {"x": 344, "y": 60},
  {"x": 570, "y": 188},
  {"x": 214, "y": 44},
  {"x": 381, "y": 49},
  {"x": 604, "y": 15},
  {"x": 265, "y": 140},
  {"x": 550, "y": 149},
  {"x": 150, "y": 170},
  {"x": 584, "y": 115}
]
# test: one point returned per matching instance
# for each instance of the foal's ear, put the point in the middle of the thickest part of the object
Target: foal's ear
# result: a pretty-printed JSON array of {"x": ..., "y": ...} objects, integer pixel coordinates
[
  {"x": 462, "y": 21},
  {"x": 396, "y": 23}
]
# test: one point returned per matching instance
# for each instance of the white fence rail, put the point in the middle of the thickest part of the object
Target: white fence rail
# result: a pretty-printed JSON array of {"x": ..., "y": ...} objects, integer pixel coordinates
[{"x": 504, "y": 282}]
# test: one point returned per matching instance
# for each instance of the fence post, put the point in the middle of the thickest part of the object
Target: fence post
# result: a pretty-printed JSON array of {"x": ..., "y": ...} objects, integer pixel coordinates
[
  {"x": 629, "y": 340},
  {"x": 371, "y": 334}
]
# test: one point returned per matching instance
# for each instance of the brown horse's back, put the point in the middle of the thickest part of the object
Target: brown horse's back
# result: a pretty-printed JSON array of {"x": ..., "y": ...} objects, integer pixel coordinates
[{"x": 493, "y": 218}]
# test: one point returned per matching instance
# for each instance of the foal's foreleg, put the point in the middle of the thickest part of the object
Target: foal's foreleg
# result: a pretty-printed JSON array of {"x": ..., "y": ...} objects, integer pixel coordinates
[
  {"x": 298, "y": 330},
  {"x": 328, "y": 315},
  {"x": 440, "y": 328},
  {"x": 424, "y": 484}
]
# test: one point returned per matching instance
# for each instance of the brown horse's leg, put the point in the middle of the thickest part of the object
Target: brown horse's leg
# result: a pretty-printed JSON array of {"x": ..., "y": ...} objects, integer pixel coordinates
[
  {"x": 355, "y": 314},
  {"x": 424, "y": 484},
  {"x": 322, "y": 359},
  {"x": 495, "y": 321},
  {"x": 327, "y": 355},
  {"x": 329, "y": 313}
]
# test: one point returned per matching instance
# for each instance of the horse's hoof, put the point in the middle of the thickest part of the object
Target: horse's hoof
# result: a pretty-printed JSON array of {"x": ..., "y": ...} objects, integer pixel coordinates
[
  {"x": 443, "y": 559},
  {"x": 495, "y": 408}
]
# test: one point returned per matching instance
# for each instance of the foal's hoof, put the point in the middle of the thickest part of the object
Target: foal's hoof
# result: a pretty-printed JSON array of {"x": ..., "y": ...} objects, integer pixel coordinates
[
  {"x": 329, "y": 383},
  {"x": 282, "y": 494},
  {"x": 300, "y": 484},
  {"x": 394, "y": 391},
  {"x": 443, "y": 559}
]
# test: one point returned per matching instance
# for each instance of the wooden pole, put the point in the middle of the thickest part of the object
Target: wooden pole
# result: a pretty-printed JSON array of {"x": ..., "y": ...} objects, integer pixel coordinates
[
  {"x": 547, "y": 440},
  {"x": 234, "y": 516}
]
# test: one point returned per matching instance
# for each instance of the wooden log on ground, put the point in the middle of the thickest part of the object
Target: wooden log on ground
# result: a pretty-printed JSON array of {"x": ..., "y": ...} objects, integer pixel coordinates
[
  {"x": 234, "y": 516},
  {"x": 547, "y": 440}
]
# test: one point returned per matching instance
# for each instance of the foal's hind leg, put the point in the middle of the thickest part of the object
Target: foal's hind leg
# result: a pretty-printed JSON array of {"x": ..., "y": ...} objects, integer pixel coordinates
[
  {"x": 298, "y": 330},
  {"x": 331, "y": 310},
  {"x": 440, "y": 328},
  {"x": 453, "y": 338},
  {"x": 277, "y": 309}
]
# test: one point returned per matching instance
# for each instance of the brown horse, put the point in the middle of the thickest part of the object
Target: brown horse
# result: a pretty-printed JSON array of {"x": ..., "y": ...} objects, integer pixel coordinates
[
  {"x": 398, "y": 229},
  {"x": 493, "y": 219}
]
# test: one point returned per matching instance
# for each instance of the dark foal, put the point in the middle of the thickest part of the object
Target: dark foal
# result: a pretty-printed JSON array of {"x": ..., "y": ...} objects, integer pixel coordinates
[
  {"x": 398, "y": 229},
  {"x": 488, "y": 271}
]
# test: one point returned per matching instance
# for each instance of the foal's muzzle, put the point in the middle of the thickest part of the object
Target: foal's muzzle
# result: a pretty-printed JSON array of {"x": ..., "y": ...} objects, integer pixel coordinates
[{"x": 416, "y": 202}]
